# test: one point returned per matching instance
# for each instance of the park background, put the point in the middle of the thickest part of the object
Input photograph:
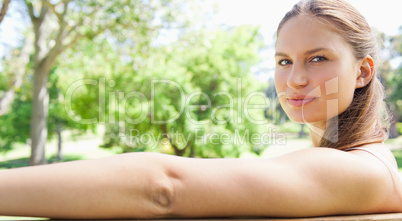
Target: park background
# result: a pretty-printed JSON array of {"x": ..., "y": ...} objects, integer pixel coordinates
[
  {"x": 174, "y": 76},
  {"x": 89, "y": 79}
]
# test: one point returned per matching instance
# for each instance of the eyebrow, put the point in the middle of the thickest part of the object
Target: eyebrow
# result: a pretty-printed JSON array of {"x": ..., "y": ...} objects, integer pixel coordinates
[{"x": 312, "y": 51}]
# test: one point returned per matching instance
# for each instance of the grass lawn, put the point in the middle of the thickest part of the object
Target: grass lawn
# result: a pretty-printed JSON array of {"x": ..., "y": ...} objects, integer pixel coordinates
[
  {"x": 396, "y": 147},
  {"x": 74, "y": 148},
  {"x": 398, "y": 157}
]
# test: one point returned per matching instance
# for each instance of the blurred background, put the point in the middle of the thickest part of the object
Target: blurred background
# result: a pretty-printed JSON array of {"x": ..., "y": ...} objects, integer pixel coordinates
[{"x": 94, "y": 78}]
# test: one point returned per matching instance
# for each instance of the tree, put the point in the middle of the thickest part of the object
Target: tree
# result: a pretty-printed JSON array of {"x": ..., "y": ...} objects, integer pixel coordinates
[
  {"x": 3, "y": 9},
  {"x": 59, "y": 25},
  {"x": 18, "y": 65},
  {"x": 184, "y": 98},
  {"x": 14, "y": 126},
  {"x": 15, "y": 70},
  {"x": 391, "y": 78}
]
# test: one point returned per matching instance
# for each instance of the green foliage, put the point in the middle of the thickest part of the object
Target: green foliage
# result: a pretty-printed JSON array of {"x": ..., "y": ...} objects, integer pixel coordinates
[
  {"x": 180, "y": 98},
  {"x": 24, "y": 161},
  {"x": 291, "y": 127},
  {"x": 393, "y": 78},
  {"x": 203, "y": 78},
  {"x": 399, "y": 127},
  {"x": 57, "y": 114},
  {"x": 395, "y": 82},
  {"x": 398, "y": 158},
  {"x": 15, "y": 125}
]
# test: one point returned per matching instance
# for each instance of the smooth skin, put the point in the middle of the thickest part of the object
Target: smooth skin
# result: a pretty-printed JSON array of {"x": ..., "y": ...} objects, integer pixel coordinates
[
  {"x": 312, "y": 59},
  {"x": 311, "y": 182}
]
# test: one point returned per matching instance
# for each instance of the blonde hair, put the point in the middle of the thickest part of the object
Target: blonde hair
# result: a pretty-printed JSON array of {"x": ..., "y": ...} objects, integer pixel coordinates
[{"x": 365, "y": 120}]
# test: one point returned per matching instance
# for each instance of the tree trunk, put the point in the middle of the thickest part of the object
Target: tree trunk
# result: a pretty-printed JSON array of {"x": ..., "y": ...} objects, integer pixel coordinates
[
  {"x": 393, "y": 131},
  {"x": 40, "y": 107},
  {"x": 4, "y": 9},
  {"x": 192, "y": 151},
  {"x": 283, "y": 118},
  {"x": 19, "y": 70},
  {"x": 59, "y": 152},
  {"x": 8, "y": 97},
  {"x": 301, "y": 132}
]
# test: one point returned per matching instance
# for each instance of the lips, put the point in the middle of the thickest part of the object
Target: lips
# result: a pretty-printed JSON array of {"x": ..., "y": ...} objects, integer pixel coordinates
[{"x": 300, "y": 100}]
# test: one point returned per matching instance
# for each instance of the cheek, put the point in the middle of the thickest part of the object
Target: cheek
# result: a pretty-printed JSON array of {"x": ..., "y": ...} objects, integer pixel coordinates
[
  {"x": 338, "y": 92},
  {"x": 336, "y": 86},
  {"x": 280, "y": 82},
  {"x": 346, "y": 93},
  {"x": 280, "y": 86}
]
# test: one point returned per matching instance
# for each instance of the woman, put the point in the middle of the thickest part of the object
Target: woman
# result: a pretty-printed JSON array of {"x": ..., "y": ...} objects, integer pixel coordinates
[{"x": 325, "y": 76}]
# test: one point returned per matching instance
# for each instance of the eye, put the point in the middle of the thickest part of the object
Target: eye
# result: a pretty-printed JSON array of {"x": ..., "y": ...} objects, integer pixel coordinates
[
  {"x": 284, "y": 62},
  {"x": 318, "y": 59}
]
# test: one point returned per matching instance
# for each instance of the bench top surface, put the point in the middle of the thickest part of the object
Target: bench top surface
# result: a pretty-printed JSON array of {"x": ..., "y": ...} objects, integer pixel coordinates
[{"x": 388, "y": 216}]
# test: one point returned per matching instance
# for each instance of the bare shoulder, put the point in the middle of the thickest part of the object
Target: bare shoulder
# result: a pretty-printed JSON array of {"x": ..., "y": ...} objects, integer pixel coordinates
[
  {"x": 356, "y": 173},
  {"x": 311, "y": 182},
  {"x": 378, "y": 148}
]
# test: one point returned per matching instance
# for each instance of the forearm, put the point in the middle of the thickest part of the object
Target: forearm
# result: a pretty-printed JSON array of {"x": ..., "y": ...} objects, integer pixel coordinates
[{"x": 117, "y": 187}]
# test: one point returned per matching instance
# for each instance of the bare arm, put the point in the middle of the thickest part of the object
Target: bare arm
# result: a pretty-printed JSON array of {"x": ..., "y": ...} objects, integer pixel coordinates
[
  {"x": 142, "y": 185},
  {"x": 116, "y": 187},
  {"x": 312, "y": 182}
]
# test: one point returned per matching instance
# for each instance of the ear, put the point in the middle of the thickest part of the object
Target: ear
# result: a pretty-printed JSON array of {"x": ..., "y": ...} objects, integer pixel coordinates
[{"x": 365, "y": 72}]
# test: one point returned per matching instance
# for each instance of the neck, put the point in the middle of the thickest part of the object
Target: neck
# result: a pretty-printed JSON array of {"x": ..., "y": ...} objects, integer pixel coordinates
[
  {"x": 315, "y": 138},
  {"x": 317, "y": 130}
]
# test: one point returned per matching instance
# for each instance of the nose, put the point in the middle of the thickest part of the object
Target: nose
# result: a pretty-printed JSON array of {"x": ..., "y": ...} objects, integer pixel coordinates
[{"x": 298, "y": 76}]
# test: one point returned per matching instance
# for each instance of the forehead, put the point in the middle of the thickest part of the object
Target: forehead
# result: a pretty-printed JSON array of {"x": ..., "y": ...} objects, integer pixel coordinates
[{"x": 304, "y": 33}]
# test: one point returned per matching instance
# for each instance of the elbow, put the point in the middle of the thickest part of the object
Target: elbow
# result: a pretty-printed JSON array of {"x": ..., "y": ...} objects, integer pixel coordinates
[
  {"x": 162, "y": 196},
  {"x": 161, "y": 191},
  {"x": 152, "y": 186}
]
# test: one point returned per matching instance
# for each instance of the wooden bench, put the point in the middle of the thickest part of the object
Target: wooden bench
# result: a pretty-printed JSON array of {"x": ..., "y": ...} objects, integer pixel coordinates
[
  {"x": 388, "y": 216},
  {"x": 368, "y": 217}
]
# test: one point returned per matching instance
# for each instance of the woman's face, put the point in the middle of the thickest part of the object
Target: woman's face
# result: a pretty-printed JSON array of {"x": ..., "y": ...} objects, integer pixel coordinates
[{"x": 315, "y": 74}]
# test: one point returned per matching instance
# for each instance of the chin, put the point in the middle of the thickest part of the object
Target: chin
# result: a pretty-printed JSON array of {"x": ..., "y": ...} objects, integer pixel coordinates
[
  {"x": 304, "y": 118},
  {"x": 310, "y": 114}
]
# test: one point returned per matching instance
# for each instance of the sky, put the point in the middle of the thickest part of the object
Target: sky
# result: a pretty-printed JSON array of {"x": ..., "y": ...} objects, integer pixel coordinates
[{"x": 384, "y": 15}]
